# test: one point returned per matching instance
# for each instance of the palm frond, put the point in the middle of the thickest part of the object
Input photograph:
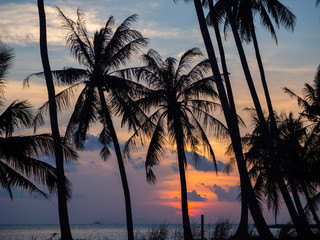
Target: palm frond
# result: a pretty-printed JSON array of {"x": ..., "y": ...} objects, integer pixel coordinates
[
  {"x": 18, "y": 113},
  {"x": 267, "y": 23},
  {"x": 10, "y": 178},
  {"x": 105, "y": 140},
  {"x": 280, "y": 13},
  {"x": 63, "y": 99},
  {"x": 200, "y": 70},
  {"x": 155, "y": 150},
  {"x": 201, "y": 88},
  {"x": 86, "y": 111},
  {"x": 6, "y": 57},
  {"x": 153, "y": 60},
  {"x": 186, "y": 60},
  {"x": 79, "y": 49},
  {"x": 66, "y": 76},
  {"x": 126, "y": 52},
  {"x": 205, "y": 142}
]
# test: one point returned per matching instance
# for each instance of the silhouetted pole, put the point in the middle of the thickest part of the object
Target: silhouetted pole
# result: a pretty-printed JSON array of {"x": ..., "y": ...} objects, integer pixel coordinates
[{"x": 202, "y": 227}]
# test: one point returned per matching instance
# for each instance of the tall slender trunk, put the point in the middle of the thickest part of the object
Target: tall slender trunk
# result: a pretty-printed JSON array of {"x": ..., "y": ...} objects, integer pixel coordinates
[
  {"x": 62, "y": 199},
  {"x": 223, "y": 58},
  {"x": 124, "y": 181},
  {"x": 275, "y": 131},
  {"x": 302, "y": 230},
  {"x": 242, "y": 231},
  {"x": 232, "y": 123},
  {"x": 187, "y": 234}
]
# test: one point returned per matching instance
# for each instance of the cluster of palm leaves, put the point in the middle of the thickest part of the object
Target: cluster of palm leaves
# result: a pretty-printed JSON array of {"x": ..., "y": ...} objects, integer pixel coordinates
[
  {"x": 19, "y": 163},
  {"x": 239, "y": 16},
  {"x": 180, "y": 95}
]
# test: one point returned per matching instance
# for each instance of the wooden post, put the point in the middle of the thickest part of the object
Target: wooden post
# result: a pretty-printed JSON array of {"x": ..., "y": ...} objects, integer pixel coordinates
[{"x": 202, "y": 227}]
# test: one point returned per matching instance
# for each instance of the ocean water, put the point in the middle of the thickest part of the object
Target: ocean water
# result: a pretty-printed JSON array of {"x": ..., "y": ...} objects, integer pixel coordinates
[{"x": 85, "y": 232}]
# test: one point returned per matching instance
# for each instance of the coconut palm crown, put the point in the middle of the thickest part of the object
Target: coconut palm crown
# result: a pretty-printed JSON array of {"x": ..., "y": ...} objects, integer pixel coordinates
[
  {"x": 104, "y": 94},
  {"x": 19, "y": 166},
  {"x": 181, "y": 98}
]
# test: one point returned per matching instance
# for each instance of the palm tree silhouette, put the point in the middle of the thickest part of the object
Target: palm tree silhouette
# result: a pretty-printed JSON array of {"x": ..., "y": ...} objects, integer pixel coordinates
[
  {"x": 311, "y": 111},
  {"x": 58, "y": 150},
  {"x": 232, "y": 123},
  {"x": 310, "y": 102},
  {"x": 104, "y": 94},
  {"x": 181, "y": 97},
  {"x": 18, "y": 162},
  {"x": 299, "y": 220},
  {"x": 301, "y": 146},
  {"x": 243, "y": 12}
]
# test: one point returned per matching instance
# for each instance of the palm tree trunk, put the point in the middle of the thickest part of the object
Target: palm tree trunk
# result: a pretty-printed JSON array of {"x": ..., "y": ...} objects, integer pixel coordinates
[
  {"x": 275, "y": 131},
  {"x": 302, "y": 230},
  {"x": 62, "y": 199},
  {"x": 187, "y": 234},
  {"x": 242, "y": 231},
  {"x": 124, "y": 181},
  {"x": 232, "y": 123},
  {"x": 223, "y": 58}
]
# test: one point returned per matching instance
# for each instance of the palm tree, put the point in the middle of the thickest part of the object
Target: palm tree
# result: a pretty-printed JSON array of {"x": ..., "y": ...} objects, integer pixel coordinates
[
  {"x": 302, "y": 149},
  {"x": 243, "y": 12},
  {"x": 181, "y": 97},
  {"x": 299, "y": 220},
  {"x": 311, "y": 107},
  {"x": 232, "y": 123},
  {"x": 18, "y": 163},
  {"x": 62, "y": 188},
  {"x": 302, "y": 152},
  {"x": 104, "y": 94},
  {"x": 310, "y": 102},
  {"x": 18, "y": 159},
  {"x": 18, "y": 153}
]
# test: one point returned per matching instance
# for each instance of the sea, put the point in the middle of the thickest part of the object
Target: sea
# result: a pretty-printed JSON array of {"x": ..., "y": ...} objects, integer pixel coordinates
[
  {"x": 100, "y": 231},
  {"x": 91, "y": 231}
]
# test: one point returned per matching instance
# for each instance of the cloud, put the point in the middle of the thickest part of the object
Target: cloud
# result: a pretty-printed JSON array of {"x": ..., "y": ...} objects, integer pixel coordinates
[
  {"x": 92, "y": 143},
  {"x": 229, "y": 195},
  {"x": 195, "y": 197},
  {"x": 201, "y": 164},
  {"x": 20, "y": 24},
  {"x": 69, "y": 166},
  {"x": 174, "y": 167},
  {"x": 137, "y": 163}
]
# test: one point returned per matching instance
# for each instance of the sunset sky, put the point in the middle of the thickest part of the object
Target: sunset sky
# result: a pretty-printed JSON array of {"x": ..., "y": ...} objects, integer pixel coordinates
[{"x": 172, "y": 29}]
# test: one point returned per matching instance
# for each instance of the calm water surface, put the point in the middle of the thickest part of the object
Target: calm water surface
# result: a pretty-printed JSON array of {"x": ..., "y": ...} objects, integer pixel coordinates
[{"x": 81, "y": 232}]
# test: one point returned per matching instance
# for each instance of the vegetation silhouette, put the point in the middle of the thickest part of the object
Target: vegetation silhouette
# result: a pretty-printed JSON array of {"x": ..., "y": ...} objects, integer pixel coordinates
[
  {"x": 181, "y": 98},
  {"x": 232, "y": 123},
  {"x": 311, "y": 111},
  {"x": 61, "y": 179},
  {"x": 177, "y": 94},
  {"x": 104, "y": 94},
  {"x": 243, "y": 12},
  {"x": 19, "y": 165}
]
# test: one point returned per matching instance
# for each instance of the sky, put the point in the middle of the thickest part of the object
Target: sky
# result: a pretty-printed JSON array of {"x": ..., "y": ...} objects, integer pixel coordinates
[{"x": 172, "y": 29}]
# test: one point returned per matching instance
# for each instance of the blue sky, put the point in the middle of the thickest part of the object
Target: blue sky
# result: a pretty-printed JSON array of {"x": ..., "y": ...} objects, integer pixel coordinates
[{"x": 172, "y": 29}]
